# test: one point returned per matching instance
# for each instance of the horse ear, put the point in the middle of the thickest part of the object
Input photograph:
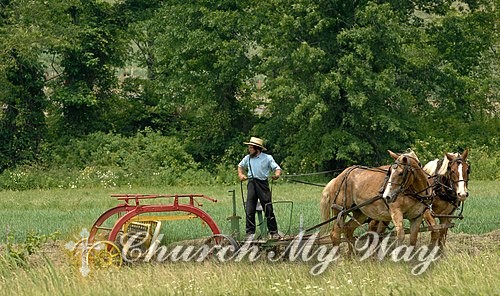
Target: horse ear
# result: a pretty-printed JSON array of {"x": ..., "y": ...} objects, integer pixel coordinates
[
  {"x": 393, "y": 155},
  {"x": 465, "y": 154},
  {"x": 450, "y": 156}
]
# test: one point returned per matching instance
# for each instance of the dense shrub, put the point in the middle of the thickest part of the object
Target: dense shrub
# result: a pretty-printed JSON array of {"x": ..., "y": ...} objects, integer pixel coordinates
[
  {"x": 148, "y": 158},
  {"x": 484, "y": 159},
  {"x": 109, "y": 160}
]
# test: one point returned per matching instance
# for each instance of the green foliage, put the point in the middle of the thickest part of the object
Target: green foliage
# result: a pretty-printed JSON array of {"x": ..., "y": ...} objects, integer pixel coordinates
[
  {"x": 109, "y": 160},
  {"x": 326, "y": 83},
  {"x": 343, "y": 92},
  {"x": 22, "y": 121},
  {"x": 338, "y": 86},
  {"x": 83, "y": 91},
  {"x": 485, "y": 162},
  {"x": 18, "y": 253},
  {"x": 203, "y": 67}
]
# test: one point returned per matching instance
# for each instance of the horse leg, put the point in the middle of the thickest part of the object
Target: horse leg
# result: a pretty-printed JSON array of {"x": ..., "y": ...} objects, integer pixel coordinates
[
  {"x": 397, "y": 219},
  {"x": 377, "y": 227},
  {"x": 443, "y": 232},
  {"x": 382, "y": 227},
  {"x": 357, "y": 220},
  {"x": 335, "y": 234},
  {"x": 414, "y": 229},
  {"x": 431, "y": 222},
  {"x": 373, "y": 225}
]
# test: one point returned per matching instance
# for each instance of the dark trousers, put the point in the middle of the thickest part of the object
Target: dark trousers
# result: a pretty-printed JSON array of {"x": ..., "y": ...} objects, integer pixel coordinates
[{"x": 259, "y": 190}]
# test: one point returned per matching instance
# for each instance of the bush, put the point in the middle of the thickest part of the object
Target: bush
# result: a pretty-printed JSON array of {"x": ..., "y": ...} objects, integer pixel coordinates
[
  {"x": 484, "y": 159},
  {"x": 148, "y": 158},
  {"x": 109, "y": 160},
  {"x": 485, "y": 163}
]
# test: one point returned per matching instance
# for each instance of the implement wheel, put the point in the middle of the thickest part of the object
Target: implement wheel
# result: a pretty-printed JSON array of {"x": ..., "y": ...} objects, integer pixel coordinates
[{"x": 104, "y": 254}]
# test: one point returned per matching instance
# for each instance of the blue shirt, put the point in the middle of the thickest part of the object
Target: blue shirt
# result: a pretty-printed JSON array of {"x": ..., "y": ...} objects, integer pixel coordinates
[{"x": 260, "y": 166}]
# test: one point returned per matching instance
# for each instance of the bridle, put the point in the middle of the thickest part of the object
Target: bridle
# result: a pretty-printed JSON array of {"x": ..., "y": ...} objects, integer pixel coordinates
[
  {"x": 448, "y": 184},
  {"x": 459, "y": 162},
  {"x": 408, "y": 170}
]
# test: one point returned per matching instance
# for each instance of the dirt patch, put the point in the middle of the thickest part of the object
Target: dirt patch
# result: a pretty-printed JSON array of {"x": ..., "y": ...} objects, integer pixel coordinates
[{"x": 473, "y": 243}]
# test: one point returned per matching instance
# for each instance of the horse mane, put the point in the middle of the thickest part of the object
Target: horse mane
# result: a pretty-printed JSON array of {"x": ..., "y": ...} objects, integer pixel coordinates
[
  {"x": 412, "y": 154},
  {"x": 444, "y": 166},
  {"x": 433, "y": 168}
]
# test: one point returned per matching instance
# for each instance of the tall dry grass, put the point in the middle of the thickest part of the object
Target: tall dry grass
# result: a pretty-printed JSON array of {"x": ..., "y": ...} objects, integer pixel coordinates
[{"x": 467, "y": 268}]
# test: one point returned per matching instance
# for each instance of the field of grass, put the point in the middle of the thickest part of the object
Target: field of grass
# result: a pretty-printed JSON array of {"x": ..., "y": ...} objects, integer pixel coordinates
[
  {"x": 470, "y": 265},
  {"x": 68, "y": 211}
]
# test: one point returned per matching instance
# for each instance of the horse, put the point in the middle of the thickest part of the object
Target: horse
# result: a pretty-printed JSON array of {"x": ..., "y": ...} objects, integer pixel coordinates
[
  {"x": 449, "y": 178},
  {"x": 387, "y": 193}
]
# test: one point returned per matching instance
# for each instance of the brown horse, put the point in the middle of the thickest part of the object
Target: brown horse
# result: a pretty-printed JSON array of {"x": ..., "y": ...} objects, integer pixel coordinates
[
  {"x": 360, "y": 191},
  {"x": 450, "y": 178}
]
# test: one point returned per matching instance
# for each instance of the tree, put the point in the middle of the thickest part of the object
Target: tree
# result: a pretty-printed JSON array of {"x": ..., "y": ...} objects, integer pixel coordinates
[
  {"x": 84, "y": 86},
  {"x": 203, "y": 69},
  {"x": 22, "y": 101},
  {"x": 22, "y": 121},
  {"x": 333, "y": 70},
  {"x": 348, "y": 80},
  {"x": 464, "y": 40}
]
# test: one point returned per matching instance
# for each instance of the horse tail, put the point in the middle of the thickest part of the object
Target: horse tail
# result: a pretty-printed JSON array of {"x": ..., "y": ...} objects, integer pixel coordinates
[
  {"x": 325, "y": 206},
  {"x": 330, "y": 196},
  {"x": 327, "y": 199}
]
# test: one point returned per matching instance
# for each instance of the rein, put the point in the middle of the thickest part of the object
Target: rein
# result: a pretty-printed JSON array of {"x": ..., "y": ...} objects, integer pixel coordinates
[
  {"x": 308, "y": 183},
  {"x": 345, "y": 211},
  {"x": 375, "y": 169}
]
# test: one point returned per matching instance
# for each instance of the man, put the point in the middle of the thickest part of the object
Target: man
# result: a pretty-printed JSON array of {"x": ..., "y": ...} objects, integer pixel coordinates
[{"x": 257, "y": 165}]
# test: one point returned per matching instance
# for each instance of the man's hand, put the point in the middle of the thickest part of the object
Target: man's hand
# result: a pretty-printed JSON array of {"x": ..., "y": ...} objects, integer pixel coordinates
[
  {"x": 241, "y": 174},
  {"x": 277, "y": 174}
]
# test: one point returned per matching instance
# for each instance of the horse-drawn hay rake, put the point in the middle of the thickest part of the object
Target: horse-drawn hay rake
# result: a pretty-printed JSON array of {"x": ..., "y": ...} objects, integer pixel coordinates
[
  {"x": 129, "y": 231},
  {"x": 137, "y": 221}
]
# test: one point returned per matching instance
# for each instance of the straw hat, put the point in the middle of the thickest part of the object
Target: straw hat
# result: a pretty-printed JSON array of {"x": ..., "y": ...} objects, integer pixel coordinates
[{"x": 256, "y": 142}]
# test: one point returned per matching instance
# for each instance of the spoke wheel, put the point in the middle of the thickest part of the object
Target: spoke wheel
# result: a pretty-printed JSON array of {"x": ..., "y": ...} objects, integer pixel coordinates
[
  {"x": 104, "y": 254},
  {"x": 76, "y": 253}
]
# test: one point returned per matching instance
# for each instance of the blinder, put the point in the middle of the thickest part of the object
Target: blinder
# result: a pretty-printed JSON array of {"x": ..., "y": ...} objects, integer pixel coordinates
[{"x": 407, "y": 169}]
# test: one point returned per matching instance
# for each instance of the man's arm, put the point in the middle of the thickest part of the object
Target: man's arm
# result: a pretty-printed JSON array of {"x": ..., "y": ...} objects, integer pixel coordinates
[{"x": 241, "y": 174}]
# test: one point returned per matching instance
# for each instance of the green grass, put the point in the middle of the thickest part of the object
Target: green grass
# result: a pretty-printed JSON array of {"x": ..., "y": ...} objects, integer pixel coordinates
[
  {"x": 453, "y": 275},
  {"x": 68, "y": 211},
  {"x": 473, "y": 252},
  {"x": 481, "y": 208}
]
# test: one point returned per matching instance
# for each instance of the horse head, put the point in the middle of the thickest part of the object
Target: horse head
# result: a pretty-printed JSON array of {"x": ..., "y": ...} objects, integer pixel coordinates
[
  {"x": 405, "y": 173},
  {"x": 458, "y": 170}
]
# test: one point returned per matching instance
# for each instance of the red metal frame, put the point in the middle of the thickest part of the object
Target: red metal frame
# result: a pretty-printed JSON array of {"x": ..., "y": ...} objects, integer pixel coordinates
[{"x": 132, "y": 210}]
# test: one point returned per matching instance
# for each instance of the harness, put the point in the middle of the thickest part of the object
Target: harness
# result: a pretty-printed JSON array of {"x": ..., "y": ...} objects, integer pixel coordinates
[
  {"x": 344, "y": 210},
  {"x": 444, "y": 189}
]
